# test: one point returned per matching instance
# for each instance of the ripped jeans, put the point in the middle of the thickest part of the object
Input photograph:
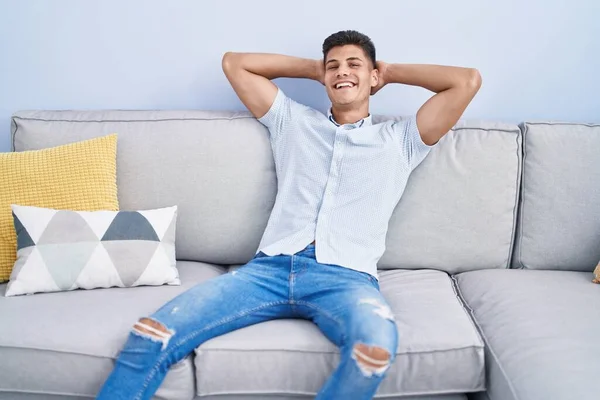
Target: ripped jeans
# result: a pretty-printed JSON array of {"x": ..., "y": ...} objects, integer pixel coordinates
[{"x": 346, "y": 305}]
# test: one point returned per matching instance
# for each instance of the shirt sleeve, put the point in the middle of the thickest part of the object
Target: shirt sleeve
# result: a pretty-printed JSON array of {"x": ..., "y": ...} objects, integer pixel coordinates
[
  {"x": 413, "y": 147},
  {"x": 279, "y": 114}
]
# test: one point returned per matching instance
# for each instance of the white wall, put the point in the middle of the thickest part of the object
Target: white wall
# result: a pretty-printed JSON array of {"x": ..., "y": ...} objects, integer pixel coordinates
[{"x": 539, "y": 59}]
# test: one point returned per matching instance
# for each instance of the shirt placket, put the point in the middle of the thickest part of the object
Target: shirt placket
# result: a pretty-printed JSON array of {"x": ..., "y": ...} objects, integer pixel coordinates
[{"x": 333, "y": 181}]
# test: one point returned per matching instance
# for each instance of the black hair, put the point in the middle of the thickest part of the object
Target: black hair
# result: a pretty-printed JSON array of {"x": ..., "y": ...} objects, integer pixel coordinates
[{"x": 343, "y": 38}]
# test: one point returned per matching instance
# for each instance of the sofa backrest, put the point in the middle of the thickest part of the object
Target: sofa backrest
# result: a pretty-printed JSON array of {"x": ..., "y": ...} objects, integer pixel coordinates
[
  {"x": 559, "y": 214},
  {"x": 459, "y": 209},
  {"x": 217, "y": 167},
  {"x": 457, "y": 214}
]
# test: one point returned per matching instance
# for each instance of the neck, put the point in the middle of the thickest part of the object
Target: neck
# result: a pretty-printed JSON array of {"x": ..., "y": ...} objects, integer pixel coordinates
[{"x": 349, "y": 114}]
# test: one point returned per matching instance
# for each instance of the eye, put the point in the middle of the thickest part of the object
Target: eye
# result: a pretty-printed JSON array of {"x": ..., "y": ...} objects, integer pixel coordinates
[
  {"x": 332, "y": 67},
  {"x": 354, "y": 65}
]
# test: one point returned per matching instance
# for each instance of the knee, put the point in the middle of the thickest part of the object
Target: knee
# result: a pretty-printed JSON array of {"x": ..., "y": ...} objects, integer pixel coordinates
[
  {"x": 153, "y": 330},
  {"x": 380, "y": 327},
  {"x": 371, "y": 360},
  {"x": 375, "y": 350}
]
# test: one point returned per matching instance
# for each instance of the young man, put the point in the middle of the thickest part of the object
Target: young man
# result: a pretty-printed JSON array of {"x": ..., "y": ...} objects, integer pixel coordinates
[{"x": 339, "y": 180}]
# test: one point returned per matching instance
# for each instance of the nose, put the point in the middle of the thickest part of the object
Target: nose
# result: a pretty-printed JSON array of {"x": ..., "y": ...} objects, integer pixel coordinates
[{"x": 342, "y": 71}]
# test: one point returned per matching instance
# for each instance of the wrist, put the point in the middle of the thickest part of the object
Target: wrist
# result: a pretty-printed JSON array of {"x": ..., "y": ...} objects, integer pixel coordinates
[
  {"x": 318, "y": 70},
  {"x": 383, "y": 72}
]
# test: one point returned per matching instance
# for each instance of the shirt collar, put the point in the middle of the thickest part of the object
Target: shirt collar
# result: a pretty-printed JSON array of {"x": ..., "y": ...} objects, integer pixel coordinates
[{"x": 363, "y": 122}]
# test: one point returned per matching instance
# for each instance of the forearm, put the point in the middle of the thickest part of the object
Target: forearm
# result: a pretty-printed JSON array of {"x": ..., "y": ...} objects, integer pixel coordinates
[
  {"x": 273, "y": 66},
  {"x": 436, "y": 78}
]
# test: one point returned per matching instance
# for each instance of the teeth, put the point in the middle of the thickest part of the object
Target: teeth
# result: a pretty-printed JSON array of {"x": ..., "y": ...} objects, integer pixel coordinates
[{"x": 344, "y": 84}]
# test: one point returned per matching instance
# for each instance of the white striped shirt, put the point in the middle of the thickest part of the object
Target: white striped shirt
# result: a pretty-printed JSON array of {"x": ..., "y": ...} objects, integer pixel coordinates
[{"x": 336, "y": 184}]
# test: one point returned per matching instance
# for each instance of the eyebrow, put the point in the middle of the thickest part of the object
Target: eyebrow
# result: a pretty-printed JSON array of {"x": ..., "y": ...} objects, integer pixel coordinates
[{"x": 347, "y": 59}]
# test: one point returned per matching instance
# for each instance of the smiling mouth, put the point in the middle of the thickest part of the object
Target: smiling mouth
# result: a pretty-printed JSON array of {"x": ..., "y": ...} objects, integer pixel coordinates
[{"x": 344, "y": 85}]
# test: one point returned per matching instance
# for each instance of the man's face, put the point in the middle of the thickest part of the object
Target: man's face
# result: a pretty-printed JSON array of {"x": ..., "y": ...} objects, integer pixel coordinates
[{"x": 349, "y": 75}]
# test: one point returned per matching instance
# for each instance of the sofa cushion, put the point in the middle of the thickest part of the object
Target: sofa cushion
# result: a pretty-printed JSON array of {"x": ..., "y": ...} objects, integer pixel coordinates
[
  {"x": 559, "y": 218},
  {"x": 66, "y": 342},
  {"x": 217, "y": 167},
  {"x": 76, "y": 176},
  {"x": 541, "y": 332},
  {"x": 21, "y": 396},
  {"x": 304, "y": 397},
  {"x": 439, "y": 352},
  {"x": 466, "y": 187}
]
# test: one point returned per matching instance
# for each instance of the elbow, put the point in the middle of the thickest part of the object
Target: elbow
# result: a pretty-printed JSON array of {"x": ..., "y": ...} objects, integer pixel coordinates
[
  {"x": 229, "y": 61},
  {"x": 473, "y": 79}
]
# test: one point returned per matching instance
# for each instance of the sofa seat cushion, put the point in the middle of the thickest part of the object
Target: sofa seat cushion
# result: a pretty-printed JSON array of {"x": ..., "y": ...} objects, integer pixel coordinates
[
  {"x": 541, "y": 330},
  {"x": 439, "y": 352},
  {"x": 66, "y": 342},
  {"x": 295, "y": 397}
]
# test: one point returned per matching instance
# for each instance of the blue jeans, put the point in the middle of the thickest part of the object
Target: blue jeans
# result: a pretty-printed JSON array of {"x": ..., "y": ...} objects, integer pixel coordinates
[{"x": 345, "y": 304}]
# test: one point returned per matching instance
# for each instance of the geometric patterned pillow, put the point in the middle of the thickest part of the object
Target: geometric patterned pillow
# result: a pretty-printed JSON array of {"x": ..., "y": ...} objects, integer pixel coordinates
[
  {"x": 597, "y": 274},
  {"x": 60, "y": 250}
]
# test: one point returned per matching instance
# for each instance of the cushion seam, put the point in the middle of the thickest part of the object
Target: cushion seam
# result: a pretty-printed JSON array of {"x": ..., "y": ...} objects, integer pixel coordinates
[
  {"x": 200, "y": 349},
  {"x": 14, "y": 137},
  {"x": 522, "y": 201},
  {"x": 517, "y": 199},
  {"x": 459, "y": 298},
  {"x": 57, "y": 351},
  {"x": 36, "y": 392},
  {"x": 15, "y": 117},
  {"x": 562, "y": 123},
  {"x": 488, "y": 345},
  {"x": 462, "y": 128},
  {"x": 391, "y": 395},
  {"x": 134, "y": 120}
]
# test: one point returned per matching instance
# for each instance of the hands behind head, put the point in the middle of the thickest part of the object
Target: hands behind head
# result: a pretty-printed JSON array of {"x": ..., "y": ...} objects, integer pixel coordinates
[
  {"x": 320, "y": 75},
  {"x": 381, "y": 68}
]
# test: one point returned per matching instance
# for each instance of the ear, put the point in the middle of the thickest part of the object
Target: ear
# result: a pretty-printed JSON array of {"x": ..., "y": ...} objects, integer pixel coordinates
[{"x": 374, "y": 77}]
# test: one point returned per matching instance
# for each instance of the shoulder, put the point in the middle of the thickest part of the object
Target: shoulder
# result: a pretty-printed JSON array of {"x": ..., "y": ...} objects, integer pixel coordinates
[
  {"x": 284, "y": 103},
  {"x": 286, "y": 112},
  {"x": 405, "y": 126},
  {"x": 395, "y": 125}
]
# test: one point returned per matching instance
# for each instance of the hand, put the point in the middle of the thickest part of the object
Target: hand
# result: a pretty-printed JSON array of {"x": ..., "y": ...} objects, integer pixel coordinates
[{"x": 381, "y": 70}]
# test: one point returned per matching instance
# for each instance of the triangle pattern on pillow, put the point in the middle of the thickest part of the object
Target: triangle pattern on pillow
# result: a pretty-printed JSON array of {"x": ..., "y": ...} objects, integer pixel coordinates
[
  {"x": 67, "y": 227},
  {"x": 130, "y": 225},
  {"x": 99, "y": 272},
  {"x": 34, "y": 219},
  {"x": 66, "y": 261},
  {"x": 32, "y": 277},
  {"x": 60, "y": 250},
  {"x": 23, "y": 257},
  {"x": 156, "y": 273},
  {"x": 23, "y": 238},
  {"x": 130, "y": 257},
  {"x": 98, "y": 221},
  {"x": 160, "y": 219},
  {"x": 169, "y": 235}
]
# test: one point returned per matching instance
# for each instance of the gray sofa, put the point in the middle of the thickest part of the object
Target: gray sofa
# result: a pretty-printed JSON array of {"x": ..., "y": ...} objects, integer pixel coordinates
[{"x": 488, "y": 265}]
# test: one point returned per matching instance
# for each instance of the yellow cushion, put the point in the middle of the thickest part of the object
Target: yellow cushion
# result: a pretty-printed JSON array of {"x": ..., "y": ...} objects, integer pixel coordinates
[{"x": 79, "y": 176}]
